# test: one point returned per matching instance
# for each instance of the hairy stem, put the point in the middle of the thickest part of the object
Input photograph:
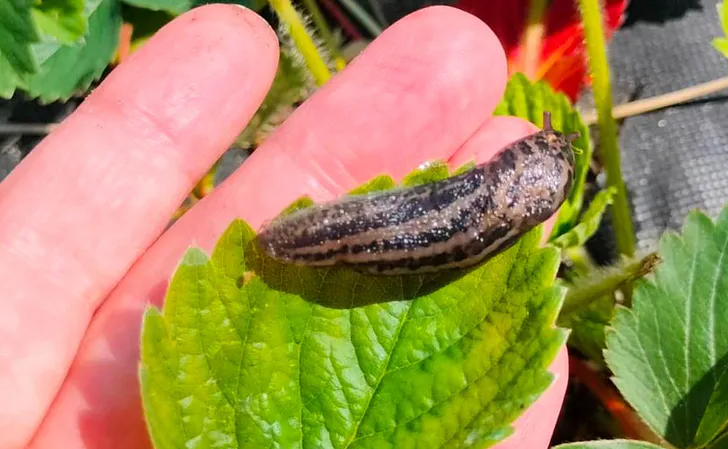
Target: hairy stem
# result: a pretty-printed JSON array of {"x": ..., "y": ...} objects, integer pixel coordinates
[
  {"x": 302, "y": 40},
  {"x": 599, "y": 66},
  {"x": 322, "y": 27},
  {"x": 604, "y": 282}
]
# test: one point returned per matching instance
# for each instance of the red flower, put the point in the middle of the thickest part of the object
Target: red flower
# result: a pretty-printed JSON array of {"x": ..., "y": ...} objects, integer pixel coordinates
[{"x": 562, "y": 60}]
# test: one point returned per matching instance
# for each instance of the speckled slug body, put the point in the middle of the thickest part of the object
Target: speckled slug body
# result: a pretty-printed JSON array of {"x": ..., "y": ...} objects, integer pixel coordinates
[{"x": 454, "y": 223}]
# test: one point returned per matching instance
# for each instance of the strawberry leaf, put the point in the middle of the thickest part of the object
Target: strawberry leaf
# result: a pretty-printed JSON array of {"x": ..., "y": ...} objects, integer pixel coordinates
[
  {"x": 248, "y": 352},
  {"x": 669, "y": 352}
]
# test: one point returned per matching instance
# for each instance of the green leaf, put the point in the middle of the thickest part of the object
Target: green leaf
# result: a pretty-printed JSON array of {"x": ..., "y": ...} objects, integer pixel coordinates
[
  {"x": 175, "y": 7},
  {"x": 609, "y": 444},
  {"x": 528, "y": 100},
  {"x": 66, "y": 69},
  {"x": 721, "y": 44},
  {"x": 588, "y": 327},
  {"x": 63, "y": 20},
  {"x": 669, "y": 352},
  {"x": 17, "y": 33},
  {"x": 589, "y": 222},
  {"x": 249, "y": 352},
  {"x": 715, "y": 419}
]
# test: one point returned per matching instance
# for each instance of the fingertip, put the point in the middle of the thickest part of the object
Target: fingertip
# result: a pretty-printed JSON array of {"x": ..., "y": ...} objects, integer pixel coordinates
[{"x": 467, "y": 50}]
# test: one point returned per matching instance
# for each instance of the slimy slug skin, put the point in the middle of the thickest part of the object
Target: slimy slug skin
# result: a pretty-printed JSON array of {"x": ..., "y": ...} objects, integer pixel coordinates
[{"x": 454, "y": 223}]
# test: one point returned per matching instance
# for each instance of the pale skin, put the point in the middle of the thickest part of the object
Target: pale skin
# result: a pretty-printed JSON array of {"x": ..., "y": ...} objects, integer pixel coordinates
[{"x": 83, "y": 246}]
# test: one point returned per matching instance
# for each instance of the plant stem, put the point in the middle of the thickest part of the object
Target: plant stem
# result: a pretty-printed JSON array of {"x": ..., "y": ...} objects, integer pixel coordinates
[
  {"x": 603, "y": 282},
  {"x": 377, "y": 8},
  {"x": 599, "y": 67},
  {"x": 322, "y": 27},
  {"x": 662, "y": 101},
  {"x": 303, "y": 41},
  {"x": 362, "y": 16},
  {"x": 342, "y": 20},
  {"x": 27, "y": 128},
  {"x": 533, "y": 37}
]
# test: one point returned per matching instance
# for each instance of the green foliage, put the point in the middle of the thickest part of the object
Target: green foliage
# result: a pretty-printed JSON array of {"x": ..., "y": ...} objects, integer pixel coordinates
[
  {"x": 528, "y": 100},
  {"x": 721, "y": 43},
  {"x": 52, "y": 49},
  {"x": 588, "y": 223},
  {"x": 249, "y": 352},
  {"x": 62, "y": 19},
  {"x": 64, "y": 59},
  {"x": 610, "y": 444},
  {"x": 668, "y": 353},
  {"x": 17, "y": 33},
  {"x": 67, "y": 69},
  {"x": 174, "y": 7}
]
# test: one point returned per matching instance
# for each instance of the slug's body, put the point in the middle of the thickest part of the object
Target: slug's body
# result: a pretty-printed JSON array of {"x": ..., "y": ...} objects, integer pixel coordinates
[{"x": 454, "y": 223}]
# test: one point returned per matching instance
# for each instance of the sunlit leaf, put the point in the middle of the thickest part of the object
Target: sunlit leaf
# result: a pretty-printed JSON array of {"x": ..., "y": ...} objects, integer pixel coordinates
[{"x": 249, "y": 352}]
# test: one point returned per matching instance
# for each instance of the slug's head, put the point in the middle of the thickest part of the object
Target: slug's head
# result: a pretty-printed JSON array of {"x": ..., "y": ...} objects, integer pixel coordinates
[{"x": 557, "y": 143}]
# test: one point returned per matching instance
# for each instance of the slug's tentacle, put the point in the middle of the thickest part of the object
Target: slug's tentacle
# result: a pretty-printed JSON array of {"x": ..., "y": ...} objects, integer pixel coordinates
[{"x": 454, "y": 223}]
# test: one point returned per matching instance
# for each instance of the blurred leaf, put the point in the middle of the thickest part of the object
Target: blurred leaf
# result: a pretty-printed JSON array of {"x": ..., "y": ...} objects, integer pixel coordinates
[
  {"x": 721, "y": 43},
  {"x": 588, "y": 327},
  {"x": 68, "y": 69},
  {"x": 669, "y": 352},
  {"x": 529, "y": 100},
  {"x": 609, "y": 444},
  {"x": 588, "y": 223},
  {"x": 144, "y": 22},
  {"x": 249, "y": 352},
  {"x": 17, "y": 33},
  {"x": 63, "y": 20},
  {"x": 174, "y": 7}
]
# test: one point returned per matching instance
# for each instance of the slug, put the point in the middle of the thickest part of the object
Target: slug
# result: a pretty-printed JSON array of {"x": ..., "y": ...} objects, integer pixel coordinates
[{"x": 458, "y": 222}]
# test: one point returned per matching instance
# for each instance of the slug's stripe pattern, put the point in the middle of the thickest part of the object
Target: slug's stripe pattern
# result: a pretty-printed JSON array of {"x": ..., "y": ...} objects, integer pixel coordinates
[{"x": 454, "y": 223}]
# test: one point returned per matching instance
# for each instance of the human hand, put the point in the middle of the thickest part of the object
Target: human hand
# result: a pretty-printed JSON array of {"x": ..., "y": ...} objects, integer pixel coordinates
[{"x": 81, "y": 254}]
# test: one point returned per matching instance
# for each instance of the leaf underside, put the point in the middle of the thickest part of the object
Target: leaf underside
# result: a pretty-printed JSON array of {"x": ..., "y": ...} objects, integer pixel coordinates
[
  {"x": 668, "y": 353},
  {"x": 249, "y": 352}
]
